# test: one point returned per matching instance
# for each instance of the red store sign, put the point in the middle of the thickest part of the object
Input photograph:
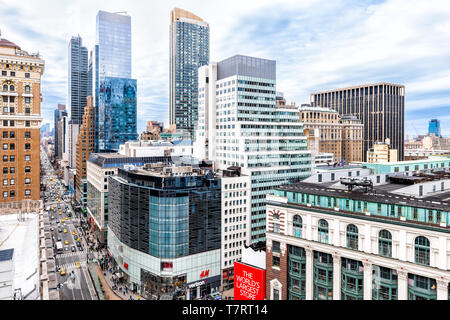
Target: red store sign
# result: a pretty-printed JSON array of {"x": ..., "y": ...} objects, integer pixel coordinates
[
  {"x": 249, "y": 282},
  {"x": 204, "y": 274}
]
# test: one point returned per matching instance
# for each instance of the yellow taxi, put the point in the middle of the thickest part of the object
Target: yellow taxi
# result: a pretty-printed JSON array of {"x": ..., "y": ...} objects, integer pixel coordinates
[
  {"x": 66, "y": 242},
  {"x": 73, "y": 233},
  {"x": 78, "y": 265},
  {"x": 67, "y": 218},
  {"x": 62, "y": 271},
  {"x": 62, "y": 220},
  {"x": 65, "y": 231},
  {"x": 60, "y": 213}
]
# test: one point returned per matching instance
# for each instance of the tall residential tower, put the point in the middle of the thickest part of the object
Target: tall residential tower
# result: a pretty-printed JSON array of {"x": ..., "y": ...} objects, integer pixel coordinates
[{"x": 189, "y": 50}]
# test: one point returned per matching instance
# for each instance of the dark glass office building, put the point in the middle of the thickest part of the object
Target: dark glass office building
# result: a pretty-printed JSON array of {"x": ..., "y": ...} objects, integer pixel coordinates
[
  {"x": 380, "y": 107},
  {"x": 165, "y": 228}
]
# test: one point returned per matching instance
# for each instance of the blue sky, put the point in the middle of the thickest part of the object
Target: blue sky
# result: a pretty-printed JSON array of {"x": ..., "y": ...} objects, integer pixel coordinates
[{"x": 318, "y": 45}]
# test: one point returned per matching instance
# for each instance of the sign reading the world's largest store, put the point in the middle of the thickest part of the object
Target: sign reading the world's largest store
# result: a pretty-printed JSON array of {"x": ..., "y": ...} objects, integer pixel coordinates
[{"x": 249, "y": 282}]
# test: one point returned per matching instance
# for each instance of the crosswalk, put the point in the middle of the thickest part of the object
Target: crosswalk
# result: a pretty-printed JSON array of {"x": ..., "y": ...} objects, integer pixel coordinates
[
  {"x": 81, "y": 254},
  {"x": 71, "y": 266}
]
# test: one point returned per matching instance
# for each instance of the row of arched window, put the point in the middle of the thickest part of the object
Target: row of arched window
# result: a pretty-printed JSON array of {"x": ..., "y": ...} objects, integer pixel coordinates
[
  {"x": 12, "y": 88},
  {"x": 421, "y": 243}
]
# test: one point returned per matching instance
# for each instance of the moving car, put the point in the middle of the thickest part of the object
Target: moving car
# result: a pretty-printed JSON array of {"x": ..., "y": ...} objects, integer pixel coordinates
[
  {"x": 73, "y": 233},
  {"x": 62, "y": 271},
  {"x": 78, "y": 265},
  {"x": 59, "y": 230},
  {"x": 73, "y": 249},
  {"x": 66, "y": 242},
  {"x": 65, "y": 230}
]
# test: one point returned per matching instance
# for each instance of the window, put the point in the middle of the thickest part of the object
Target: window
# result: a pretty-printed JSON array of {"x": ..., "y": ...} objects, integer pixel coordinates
[
  {"x": 276, "y": 247},
  {"x": 27, "y": 89},
  {"x": 352, "y": 237},
  {"x": 276, "y": 261},
  {"x": 27, "y": 134},
  {"x": 27, "y": 192},
  {"x": 11, "y": 88},
  {"x": 422, "y": 250},
  {"x": 27, "y": 123},
  {"x": 297, "y": 226},
  {"x": 13, "y": 74},
  {"x": 385, "y": 243},
  {"x": 12, "y": 194},
  {"x": 27, "y": 181},
  {"x": 323, "y": 231},
  {"x": 27, "y": 157},
  {"x": 27, "y": 146},
  {"x": 27, "y": 75},
  {"x": 5, "y": 170},
  {"x": 12, "y": 182},
  {"x": 276, "y": 294},
  {"x": 12, "y": 158},
  {"x": 5, "y": 158},
  {"x": 5, "y": 182},
  {"x": 5, "y": 134},
  {"x": 27, "y": 169},
  {"x": 12, "y": 134},
  {"x": 12, "y": 170},
  {"x": 5, "y": 146},
  {"x": 12, "y": 146},
  {"x": 5, "y": 194},
  {"x": 276, "y": 228}
]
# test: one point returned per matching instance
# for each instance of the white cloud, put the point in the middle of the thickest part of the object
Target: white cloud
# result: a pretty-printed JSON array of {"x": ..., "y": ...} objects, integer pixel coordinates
[{"x": 318, "y": 45}]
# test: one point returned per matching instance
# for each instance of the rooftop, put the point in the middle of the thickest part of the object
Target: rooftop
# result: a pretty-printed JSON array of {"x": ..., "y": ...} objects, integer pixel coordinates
[
  {"x": 6, "y": 255},
  {"x": 381, "y": 194},
  {"x": 7, "y": 43}
]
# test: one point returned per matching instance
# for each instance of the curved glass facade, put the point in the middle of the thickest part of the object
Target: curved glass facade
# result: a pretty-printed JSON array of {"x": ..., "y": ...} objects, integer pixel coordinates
[
  {"x": 165, "y": 216},
  {"x": 169, "y": 226}
]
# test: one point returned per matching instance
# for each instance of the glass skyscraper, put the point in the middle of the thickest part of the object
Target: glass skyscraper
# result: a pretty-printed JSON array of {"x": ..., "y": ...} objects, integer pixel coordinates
[
  {"x": 115, "y": 93},
  {"x": 434, "y": 127},
  {"x": 78, "y": 79},
  {"x": 189, "y": 50}
]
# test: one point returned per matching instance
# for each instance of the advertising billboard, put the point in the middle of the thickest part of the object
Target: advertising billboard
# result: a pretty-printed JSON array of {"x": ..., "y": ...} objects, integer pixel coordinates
[{"x": 249, "y": 282}]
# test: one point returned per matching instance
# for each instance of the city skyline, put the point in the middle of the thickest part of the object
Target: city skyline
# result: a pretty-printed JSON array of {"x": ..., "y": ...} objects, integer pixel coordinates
[{"x": 361, "y": 49}]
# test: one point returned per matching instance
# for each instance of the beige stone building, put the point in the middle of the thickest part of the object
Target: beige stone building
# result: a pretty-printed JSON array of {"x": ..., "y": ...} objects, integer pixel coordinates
[
  {"x": 382, "y": 152},
  {"x": 20, "y": 120},
  {"x": 331, "y": 133}
]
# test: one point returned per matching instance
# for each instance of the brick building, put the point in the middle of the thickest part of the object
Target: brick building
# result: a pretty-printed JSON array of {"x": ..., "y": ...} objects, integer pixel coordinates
[
  {"x": 20, "y": 120},
  {"x": 85, "y": 146}
]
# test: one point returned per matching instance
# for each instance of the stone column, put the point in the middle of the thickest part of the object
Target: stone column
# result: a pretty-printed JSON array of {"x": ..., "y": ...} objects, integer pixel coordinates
[
  {"x": 367, "y": 280},
  {"x": 309, "y": 273},
  {"x": 402, "y": 283},
  {"x": 442, "y": 289},
  {"x": 337, "y": 277}
]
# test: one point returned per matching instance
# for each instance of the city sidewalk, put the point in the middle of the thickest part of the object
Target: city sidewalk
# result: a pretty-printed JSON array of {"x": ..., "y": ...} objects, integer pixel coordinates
[
  {"x": 108, "y": 291},
  {"x": 120, "y": 291}
]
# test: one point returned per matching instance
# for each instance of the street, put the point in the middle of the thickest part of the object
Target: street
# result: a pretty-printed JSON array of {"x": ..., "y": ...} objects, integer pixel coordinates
[{"x": 65, "y": 225}]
